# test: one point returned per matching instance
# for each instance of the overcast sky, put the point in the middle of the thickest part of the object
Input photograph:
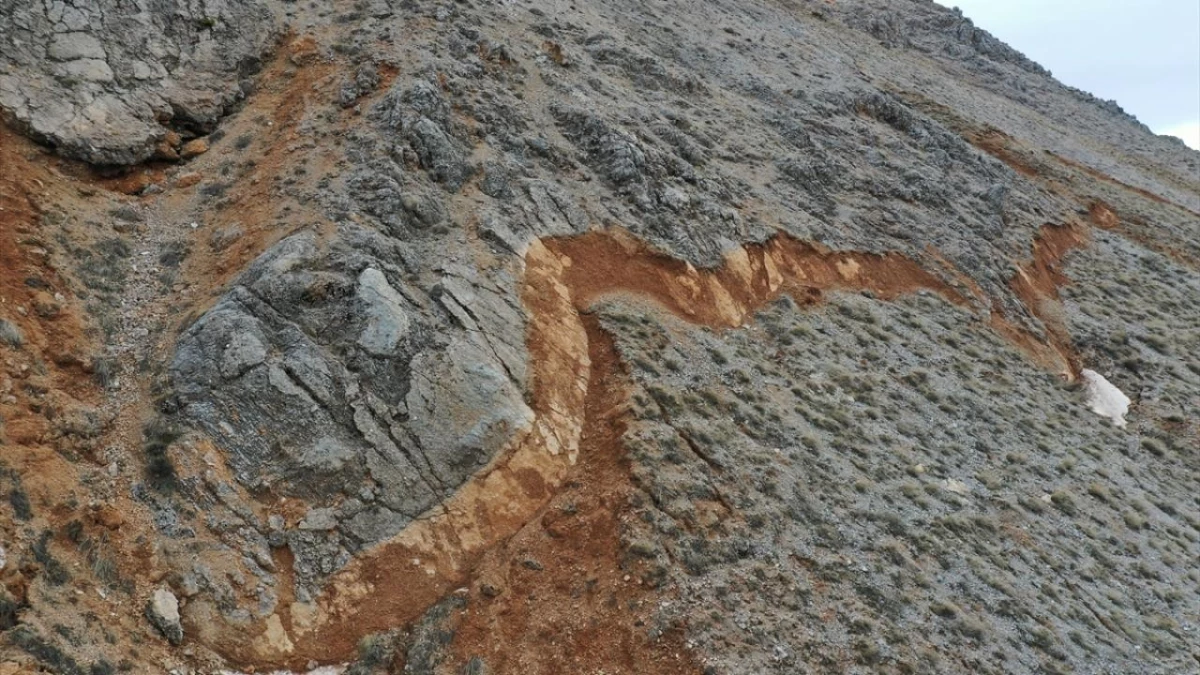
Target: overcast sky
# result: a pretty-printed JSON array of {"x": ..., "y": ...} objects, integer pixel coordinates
[{"x": 1145, "y": 54}]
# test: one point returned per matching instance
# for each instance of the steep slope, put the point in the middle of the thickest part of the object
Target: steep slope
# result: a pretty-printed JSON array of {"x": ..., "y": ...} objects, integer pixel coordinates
[{"x": 709, "y": 337}]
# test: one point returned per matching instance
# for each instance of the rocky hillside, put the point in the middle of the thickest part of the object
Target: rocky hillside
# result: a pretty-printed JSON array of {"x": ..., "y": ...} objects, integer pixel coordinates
[{"x": 492, "y": 336}]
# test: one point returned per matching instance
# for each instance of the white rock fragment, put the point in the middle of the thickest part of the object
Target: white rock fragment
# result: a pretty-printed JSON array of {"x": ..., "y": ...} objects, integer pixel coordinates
[
  {"x": 1104, "y": 398},
  {"x": 163, "y": 612},
  {"x": 956, "y": 486}
]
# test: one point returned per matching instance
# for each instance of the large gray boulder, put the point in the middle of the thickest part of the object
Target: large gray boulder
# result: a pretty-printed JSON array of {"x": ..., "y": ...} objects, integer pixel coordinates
[
  {"x": 105, "y": 81},
  {"x": 326, "y": 377}
]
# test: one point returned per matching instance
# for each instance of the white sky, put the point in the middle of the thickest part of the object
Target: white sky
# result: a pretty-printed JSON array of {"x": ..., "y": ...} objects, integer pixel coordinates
[{"x": 1145, "y": 54}]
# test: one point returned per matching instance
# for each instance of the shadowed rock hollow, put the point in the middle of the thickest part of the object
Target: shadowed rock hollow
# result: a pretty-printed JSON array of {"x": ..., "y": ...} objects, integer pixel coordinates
[{"x": 715, "y": 337}]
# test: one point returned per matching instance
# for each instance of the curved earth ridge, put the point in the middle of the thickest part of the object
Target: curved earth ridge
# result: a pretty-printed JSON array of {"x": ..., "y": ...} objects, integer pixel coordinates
[{"x": 397, "y": 581}]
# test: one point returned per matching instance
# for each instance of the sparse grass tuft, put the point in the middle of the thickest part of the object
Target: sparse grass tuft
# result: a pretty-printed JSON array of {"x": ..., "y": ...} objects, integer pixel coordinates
[
  {"x": 56, "y": 573},
  {"x": 104, "y": 371},
  {"x": 10, "y": 334},
  {"x": 374, "y": 650},
  {"x": 47, "y": 653},
  {"x": 102, "y": 268},
  {"x": 9, "y": 608},
  {"x": 160, "y": 470},
  {"x": 173, "y": 254},
  {"x": 127, "y": 213},
  {"x": 20, "y": 502}
]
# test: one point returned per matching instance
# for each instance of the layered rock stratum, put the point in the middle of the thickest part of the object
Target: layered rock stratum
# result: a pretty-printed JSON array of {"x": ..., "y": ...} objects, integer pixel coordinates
[{"x": 607, "y": 337}]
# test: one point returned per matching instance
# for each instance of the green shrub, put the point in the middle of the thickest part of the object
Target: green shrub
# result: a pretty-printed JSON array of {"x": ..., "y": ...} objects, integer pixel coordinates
[
  {"x": 56, "y": 573},
  {"x": 373, "y": 652},
  {"x": 160, "y": 470},
  {"x": 104, "y": 371},
  {"x": 20, "y": 503},
  {"x": 8, "y": 610},
  {"x": 46, "y": 652},
  {"x": 10, "y": 334}
]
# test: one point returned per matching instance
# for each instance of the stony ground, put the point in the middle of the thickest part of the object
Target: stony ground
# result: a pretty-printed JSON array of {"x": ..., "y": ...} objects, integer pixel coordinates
[{"x": 504, "y": 337}]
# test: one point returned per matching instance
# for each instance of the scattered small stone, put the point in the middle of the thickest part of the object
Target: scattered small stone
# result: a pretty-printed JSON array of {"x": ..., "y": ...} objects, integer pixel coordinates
[
  {"x": 224, "y": 237},
  {"x": 187, "y": 179},
  {"x": 319, "y": 519},
  {"x": 194, "y": 148}
]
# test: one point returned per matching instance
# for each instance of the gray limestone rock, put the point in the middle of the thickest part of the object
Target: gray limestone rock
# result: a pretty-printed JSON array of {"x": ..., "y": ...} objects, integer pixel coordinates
[
  {"x": 162, "y": 610},
  {"x": 463, "y": 407},
  {"x": 387, "y": 322},
  {"x": 440, "y": 154},
  {"x": 104, "y": 81},
  {"x": 391, "y": 395},
  {"x": 244, "y": 351}
]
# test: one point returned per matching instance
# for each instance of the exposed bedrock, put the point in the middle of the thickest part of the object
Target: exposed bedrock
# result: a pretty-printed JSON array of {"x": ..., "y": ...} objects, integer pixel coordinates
[{"x": 114, "y": 83}]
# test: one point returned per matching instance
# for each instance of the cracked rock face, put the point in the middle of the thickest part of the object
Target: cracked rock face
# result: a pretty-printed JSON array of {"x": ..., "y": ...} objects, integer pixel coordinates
[
  {"x": 105, "y": 81},
  {"x": 393, "y": 398}
]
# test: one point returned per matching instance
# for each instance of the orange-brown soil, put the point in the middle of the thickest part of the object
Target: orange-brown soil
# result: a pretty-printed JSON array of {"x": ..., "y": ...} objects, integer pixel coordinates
[
  {"x": 1105, "y": 178},
  {"x": 557, "y": 597},
  {"x": 1058, "y": 177},
  {"x": 251, "y": 204},
  {"x": 53, "y": 417},
  {"x": 1037, "y": 284},
  {"x": 55, "y": 359},
  {"x": 998, "y": 144},
  {"x": 556, "y": 499},
  {"x": 613, "y": 262}
]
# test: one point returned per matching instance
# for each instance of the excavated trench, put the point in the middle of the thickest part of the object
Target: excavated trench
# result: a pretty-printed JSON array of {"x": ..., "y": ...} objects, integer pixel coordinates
[{"x": 578, "y": 398}]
